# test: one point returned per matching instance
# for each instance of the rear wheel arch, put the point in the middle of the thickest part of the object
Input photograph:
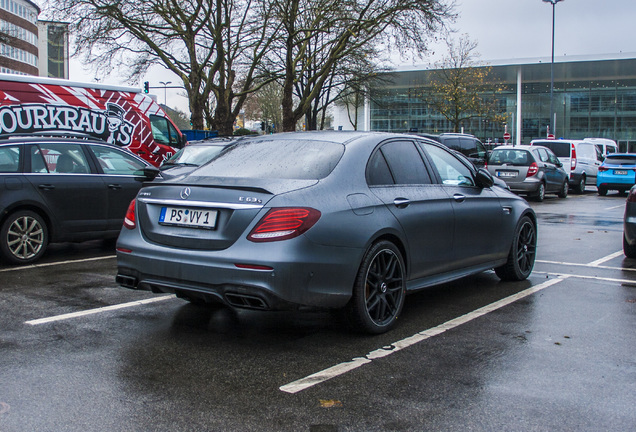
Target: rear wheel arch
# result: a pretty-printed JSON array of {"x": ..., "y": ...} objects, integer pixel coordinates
[{"x": 397, "y": 242}]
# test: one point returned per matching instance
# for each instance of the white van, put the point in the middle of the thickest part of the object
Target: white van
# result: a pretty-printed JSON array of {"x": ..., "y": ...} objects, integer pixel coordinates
[
  {"x": 605, "y": 145},
  {"x": 580, "y": 159}
]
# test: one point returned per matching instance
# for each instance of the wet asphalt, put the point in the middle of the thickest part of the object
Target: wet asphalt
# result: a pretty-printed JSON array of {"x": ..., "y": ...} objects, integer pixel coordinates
[{"x": 554, "y": 353}]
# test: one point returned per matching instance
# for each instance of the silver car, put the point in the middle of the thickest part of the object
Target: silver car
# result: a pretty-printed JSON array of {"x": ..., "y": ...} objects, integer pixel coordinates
[
  {"x": 350, "y": 220},
  {"x": 529, "y": 170}
]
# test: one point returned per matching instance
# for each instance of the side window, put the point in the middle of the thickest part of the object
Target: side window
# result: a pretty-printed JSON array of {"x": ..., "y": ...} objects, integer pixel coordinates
[
  {"x": 599, "y": 154},
  {"x": 472, "y": 148},
  {"x": 451, "y": 170},
  {"x": 9, "y": 159},
  {"x": 163, "y": 131},
  {"x": 117, "y": 162},
  {"x": 552, "y": 158},
  {"x": 378, "y": 171},
  {"x": 58, "y": 159},
  {"x": 543, "y": 155},
  {"x": 405, "y": 163}
]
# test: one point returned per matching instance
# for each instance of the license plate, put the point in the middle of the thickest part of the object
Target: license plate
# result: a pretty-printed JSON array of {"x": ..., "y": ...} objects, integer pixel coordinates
[
  {"x": 620, "y": 172},
  {"x": 188, "y": 217},
  {"x": 506, "y": 174}
]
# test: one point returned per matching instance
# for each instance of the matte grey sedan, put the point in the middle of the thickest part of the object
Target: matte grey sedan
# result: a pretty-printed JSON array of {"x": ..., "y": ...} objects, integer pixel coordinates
[{"x": 343, "y": 220}]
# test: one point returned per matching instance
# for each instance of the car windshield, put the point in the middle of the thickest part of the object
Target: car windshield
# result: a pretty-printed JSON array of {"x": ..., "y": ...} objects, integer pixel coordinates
[
  {"x": 510, "y": 157},
  {"x": 284, "y": 159},
  {"x": 620, "y": 160},
  {"x": 194, "y": 155}
]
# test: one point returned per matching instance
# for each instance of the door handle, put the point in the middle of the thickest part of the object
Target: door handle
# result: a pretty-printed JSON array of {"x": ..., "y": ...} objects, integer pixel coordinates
[
  {"x": 401, "y": 202},
  {"x": 46, "y": 186},
  {"x": 114, "y": 186},
  {"x": 459, "y": 197}
]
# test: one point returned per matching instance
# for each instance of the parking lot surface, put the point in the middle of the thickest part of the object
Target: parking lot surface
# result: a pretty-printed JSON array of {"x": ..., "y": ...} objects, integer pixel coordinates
[{"x": 555, "y": 352}]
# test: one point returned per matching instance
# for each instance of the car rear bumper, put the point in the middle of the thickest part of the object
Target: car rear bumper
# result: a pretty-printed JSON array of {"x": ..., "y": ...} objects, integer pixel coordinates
[
  {"x": 250, "y": 275},
  {"x": 614, "y": 182}
]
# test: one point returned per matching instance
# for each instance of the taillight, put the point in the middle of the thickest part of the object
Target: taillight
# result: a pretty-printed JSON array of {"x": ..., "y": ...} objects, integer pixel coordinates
[
  {"x": 284, "y": 223},
  {"x": 602, "y": 169},
  {"x": 532, "y": 169},
  {"x": 129, "y": 220},
  {"x": 573, "y": 158}
]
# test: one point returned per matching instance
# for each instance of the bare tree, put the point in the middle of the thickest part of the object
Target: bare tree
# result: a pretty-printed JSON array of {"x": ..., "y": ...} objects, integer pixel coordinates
[
  {"x": 458, "y": 85},
  {"x": 208, "y": 44},
  {"x": 317, "y": 35}
]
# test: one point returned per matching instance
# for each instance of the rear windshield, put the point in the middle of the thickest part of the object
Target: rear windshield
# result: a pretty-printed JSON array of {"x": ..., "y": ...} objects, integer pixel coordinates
[
  {"x": 285, "y": 159},
  {"x": 510, "y": 157},
  {"x": 560, "y": 149},
  {"x": 620, "y": 160}
]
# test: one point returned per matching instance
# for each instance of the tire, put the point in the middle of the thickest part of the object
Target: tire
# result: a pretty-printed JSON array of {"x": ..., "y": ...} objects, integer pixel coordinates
[
  {"x": 602, "y": 191},
  {"x": 628, "y": 250},
  {"x": 522, "y": 252},
  {"x": 23, "y": 237},
  {"x": 378, "y": 291},
  {"x": 540, "y": 194},
  {"x": 565, "y": 187},
  {"x": 580, "y": 187}
]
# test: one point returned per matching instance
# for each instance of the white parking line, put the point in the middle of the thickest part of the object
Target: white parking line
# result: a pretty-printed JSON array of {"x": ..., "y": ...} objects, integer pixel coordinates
[
  {"x": 615, "y": 207},
  {"x": 32, "y": 266},
  {"x": 605, "y": 259},
  {"x": 98, "y": 310},
  {"x": 342, "y": 368}
]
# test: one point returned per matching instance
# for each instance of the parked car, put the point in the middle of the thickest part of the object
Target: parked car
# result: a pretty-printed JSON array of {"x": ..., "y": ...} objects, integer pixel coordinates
[
  {"x": 580, "y": 160},
  {"x": 57, "y": 189},
  {"x": 344, "y": 220},
  {"x": 467, "y": 144},
  {"x": 606, "y": 146},
  {"x": 618, "y": 172},
  {"x": 529, "y": 170},
  {"x": 195, "y": 154},
  {"x": 629, "y": 225}
]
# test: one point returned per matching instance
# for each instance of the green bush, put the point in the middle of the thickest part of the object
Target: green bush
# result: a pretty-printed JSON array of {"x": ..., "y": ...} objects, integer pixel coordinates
[{"x": 243, "y": 131}]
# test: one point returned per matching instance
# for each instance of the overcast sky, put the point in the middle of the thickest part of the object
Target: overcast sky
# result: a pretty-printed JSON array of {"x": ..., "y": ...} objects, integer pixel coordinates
[
  {"x": 507, "y": 29},
  {"x": 503, "y": 29}
]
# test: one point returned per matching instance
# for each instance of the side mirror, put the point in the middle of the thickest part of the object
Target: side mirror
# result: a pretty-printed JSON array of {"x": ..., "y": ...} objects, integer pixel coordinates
[
  {"x": 150, "y": 173},
  {"x": 484, "y": 179}
]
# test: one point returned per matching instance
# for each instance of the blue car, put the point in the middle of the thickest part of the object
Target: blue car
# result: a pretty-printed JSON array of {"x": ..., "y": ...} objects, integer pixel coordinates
[{"x": 618, "y": 172}]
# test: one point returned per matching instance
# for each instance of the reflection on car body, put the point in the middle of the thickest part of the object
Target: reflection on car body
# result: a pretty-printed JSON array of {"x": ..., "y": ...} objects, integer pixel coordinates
[{"x": 350, "y": 220}]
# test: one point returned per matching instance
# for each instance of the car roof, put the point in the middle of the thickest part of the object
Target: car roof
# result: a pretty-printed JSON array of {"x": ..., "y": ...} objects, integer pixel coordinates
[{"x": 516, "y": 147}]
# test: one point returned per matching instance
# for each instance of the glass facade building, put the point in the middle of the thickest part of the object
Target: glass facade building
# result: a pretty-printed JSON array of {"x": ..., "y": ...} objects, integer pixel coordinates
[{"x": 592, "y": 98}]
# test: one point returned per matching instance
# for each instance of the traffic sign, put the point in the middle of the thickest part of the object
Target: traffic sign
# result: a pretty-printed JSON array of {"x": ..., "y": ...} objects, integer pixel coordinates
[{"x": 506, "y": 136}]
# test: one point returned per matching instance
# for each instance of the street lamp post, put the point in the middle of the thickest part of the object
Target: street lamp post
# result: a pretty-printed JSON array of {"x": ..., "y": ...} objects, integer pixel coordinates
[
  {"x": 165, "y": 84},
  {"x": 552, "y": 125}
]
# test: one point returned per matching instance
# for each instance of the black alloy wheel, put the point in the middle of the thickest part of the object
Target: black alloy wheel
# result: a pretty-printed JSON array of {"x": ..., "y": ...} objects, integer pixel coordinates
[
  {"x": 379, "y": 290},
  {"x": 522, "y": 253},
  {"x": 602, "y": 191},
  {"x": 24, "y": 237}
]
